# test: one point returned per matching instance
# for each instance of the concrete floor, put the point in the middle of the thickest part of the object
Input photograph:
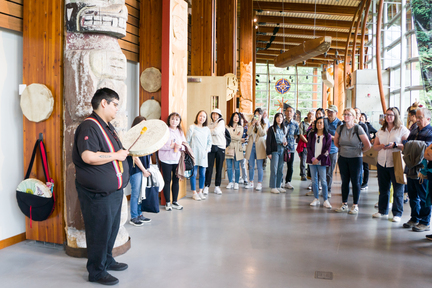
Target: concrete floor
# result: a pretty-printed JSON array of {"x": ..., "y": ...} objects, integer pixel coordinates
[{"x": 247, "y": 238}]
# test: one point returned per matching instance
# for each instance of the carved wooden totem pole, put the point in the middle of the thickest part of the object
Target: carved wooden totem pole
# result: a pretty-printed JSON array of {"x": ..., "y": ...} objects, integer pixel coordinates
[{"x": 92, "y": 60}]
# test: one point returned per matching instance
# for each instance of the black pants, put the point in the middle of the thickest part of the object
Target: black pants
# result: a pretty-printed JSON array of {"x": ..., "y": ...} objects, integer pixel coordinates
[
  {"x": 290, "y": 170},
  {"x": 101, "y": 216},
  {"x": 365, "y": 173},
  {"x": 386, "y": 177},
  {"x": 350, "y": 170},
  {"x": 167, "y": 171},
  {"x": 218, "y": 154}
]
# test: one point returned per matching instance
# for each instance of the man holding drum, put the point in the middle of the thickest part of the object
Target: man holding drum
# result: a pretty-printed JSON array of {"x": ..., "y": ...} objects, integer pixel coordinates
[{"x": 101, "y": 175}]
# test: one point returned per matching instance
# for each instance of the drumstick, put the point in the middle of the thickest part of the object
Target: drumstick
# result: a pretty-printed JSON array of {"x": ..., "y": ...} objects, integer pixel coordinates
[{"x": 144, "y": 129}]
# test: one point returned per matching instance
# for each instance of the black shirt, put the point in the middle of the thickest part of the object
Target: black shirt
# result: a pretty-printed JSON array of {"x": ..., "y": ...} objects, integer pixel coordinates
[
  {"x": 133, "y": 169},
  {"x": 97, "y": 178}
]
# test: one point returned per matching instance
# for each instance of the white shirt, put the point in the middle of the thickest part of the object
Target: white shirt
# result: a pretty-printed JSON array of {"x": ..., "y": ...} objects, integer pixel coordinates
[
  {"x": 318, "y": 146},
  {"x": 385, "y": 156},
  {"x": 217, "y": 130}
]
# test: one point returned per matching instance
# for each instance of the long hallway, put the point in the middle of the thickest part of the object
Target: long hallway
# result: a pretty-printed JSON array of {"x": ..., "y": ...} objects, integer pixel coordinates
[{"x": 247, "y": 238}]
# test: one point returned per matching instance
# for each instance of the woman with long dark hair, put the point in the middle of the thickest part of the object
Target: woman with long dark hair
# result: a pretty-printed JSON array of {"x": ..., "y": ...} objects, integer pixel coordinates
[
  {"x": 169, "y": 156},
  {"x": 275, "y": 143},
  {"x": 234, "y": 152},
  {"x": 200, "y": 141},
  {"x": 256, "y": 149},
  {"x": 318, "y": 151},
  {"x": 217, "y": 152},
  {"x": 137, "y": 169}
]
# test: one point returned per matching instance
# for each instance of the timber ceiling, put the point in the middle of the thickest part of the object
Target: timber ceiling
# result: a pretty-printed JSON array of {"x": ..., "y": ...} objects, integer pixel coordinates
[{"x": 283, "y": 24}]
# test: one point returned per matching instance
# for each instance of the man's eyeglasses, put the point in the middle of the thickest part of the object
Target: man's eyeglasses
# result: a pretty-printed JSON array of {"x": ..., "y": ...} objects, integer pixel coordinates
[{"x": 115, "y": 103}]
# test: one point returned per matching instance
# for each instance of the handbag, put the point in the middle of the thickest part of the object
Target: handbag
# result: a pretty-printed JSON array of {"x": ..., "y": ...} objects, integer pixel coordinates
[
  {"x": 35, "y": 198},
  {"x": 230, "y": 152},
  {"x": 150, "y": 203},
  {"x": 287, "y": 155},
  {"x": 399, "y": 166}
]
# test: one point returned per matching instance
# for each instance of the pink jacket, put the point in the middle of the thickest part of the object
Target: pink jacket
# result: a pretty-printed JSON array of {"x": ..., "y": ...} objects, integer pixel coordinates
[{"x": 166, "y": 153}]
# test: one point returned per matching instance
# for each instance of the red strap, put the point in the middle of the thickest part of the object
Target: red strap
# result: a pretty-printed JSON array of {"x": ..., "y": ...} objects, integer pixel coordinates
[{"x": 44, "y": 161}]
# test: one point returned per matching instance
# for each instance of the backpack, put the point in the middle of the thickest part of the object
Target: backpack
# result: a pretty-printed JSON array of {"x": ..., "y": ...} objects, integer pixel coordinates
[
  {"x": 227, "y": 137},
  {"x": 189, "y": 163}
]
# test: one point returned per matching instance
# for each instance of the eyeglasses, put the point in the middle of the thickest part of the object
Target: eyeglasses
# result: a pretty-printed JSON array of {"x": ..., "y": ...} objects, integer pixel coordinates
[
  {"x": 390, "y": 115},
  {"x": 347, "y": 114},
  {"x": 115, "y": 103}
]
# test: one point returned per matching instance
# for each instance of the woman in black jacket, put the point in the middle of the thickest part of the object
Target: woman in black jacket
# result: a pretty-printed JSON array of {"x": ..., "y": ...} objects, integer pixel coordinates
[{"x": 275, "y": 143}]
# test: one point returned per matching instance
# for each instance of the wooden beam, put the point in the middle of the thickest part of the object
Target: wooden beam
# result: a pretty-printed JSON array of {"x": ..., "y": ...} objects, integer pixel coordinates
[
  {"x": 305, "y": 22},
  {"x": 363, "y": 34},
  {"x": 305, "y": 51},
  {"x": 339, "y": 36},
  {"x": 261, "y": 61},
  {"x": 335, "y": 45},
  {"x": 337, "y": 10}
]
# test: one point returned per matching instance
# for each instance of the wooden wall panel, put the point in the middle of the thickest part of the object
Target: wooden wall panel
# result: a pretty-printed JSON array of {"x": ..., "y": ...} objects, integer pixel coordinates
[
  {"x": 43, "y": 35},
  {"x": 150, "y": 44},
  {"x": 202, "y": 38},
  {"x": 11, "y": 15},
  {"x": 246, "y": 57}
]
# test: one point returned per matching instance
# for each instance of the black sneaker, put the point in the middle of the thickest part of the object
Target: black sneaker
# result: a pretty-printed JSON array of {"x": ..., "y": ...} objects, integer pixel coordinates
[
  {"x": 364, "y": 187},
  {"x": 410, "y": 224},
  {"x": 136, "y": 222},
  {"x": 117, "y": 266},
  {"x": 303, "y": 178},
  {"x": 144, "y": 219},
  {"x": 429, "y": 237},
  {"x": 107, "y": 280}
]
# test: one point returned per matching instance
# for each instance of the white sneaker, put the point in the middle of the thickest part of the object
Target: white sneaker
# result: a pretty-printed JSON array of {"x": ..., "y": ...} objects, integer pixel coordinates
[
  {"x": 236, "y": 186},
  {"x": 310, "y": 193},
  {"x": 230, "y": 185},
  {"x": 177, "y": 206},
  {"x": 354, "y": 210},
  {"x": 315, "y": 202},
  {"x": 205, "y": 191},
  {"x": 168, "y": 206},
  {"x": 342, "y": 209},
  {"x": 376, "y": 205},
  {"x": 217, "y": 190},
  {"x": 282, "y": 190},
  {"x": 396, "y": 219},
  {"x": 259, "y": 187},
  {"x": 250, "y": 185},
  {"x": 274, "y": 191},
  {"x": 241, "y": 181},
  {"x": 289, "y": 186},
  {"x": 196, "y": 197},
  {"x": 309, "y": 187},
  {"x": 201, "y": 195},
  {"x": 327, "y": 204},
  {"x": 379, "y": 215},
  {"x": 320, "y": 188},
  {"x": 329, "y": 195}
]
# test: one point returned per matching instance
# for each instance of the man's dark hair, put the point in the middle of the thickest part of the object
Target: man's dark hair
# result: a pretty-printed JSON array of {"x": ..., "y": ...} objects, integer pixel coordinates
[
  {"x": 412, "y": 112},
  {"x": 104, "y": 93}
]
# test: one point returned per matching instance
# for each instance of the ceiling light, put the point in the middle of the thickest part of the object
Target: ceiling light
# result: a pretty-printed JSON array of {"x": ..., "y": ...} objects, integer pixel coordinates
[
  {"x": 256, "y": 26},
  {"x": 255, "y": 19}
]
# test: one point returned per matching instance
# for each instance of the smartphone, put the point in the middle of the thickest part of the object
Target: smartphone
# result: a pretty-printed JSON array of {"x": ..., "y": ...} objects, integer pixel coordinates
[{"x": 389, "y": 144}]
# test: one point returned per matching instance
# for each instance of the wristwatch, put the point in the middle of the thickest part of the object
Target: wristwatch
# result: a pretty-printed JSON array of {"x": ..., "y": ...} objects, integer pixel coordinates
[{"x": 394, "y": 145}]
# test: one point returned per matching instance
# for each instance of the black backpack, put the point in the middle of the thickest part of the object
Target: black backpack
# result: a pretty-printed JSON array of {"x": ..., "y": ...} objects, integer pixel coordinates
[
  {"x": 189, "y": 163},
  {"x": 227, "y": 137}
]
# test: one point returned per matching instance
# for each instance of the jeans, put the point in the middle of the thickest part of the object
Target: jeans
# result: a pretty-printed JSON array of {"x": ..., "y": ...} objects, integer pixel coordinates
[
  {"x": 217, "y": 154},
  {"x": 319, "y": 171},
  {"x": 230, "y": 163},
  {"x": 330, "y": 170},
  {"x": 167, "y": 171},
  {"x": 303, "y": 156},
  {"x": 386, "y": 177},
  {"x": 276, "y": 168},
  {"x": 243, "y": 169},
  {"x": 290, "y": 170},
  {"x": 350, "y": 169},
  {"x": 202, "y": 171},
  {"x": 252, "y": 166},
  {"x": 135, "y": 181},
  {"x": 420, "y": 212},
  {"x": 101, "y": 216},
  {"x": 365, "y": 174}
]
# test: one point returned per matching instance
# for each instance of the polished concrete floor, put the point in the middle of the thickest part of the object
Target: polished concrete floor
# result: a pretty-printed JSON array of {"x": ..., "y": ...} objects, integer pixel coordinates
[{"x": 247, "y": 238}]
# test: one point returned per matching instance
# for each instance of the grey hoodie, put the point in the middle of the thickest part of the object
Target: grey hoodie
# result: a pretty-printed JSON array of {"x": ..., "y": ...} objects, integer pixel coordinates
[{"x": 413, "y": 156}]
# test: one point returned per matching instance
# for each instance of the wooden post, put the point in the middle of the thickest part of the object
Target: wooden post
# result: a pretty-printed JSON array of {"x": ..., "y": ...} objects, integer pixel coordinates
[
  {"x": 246, "y": 56},
  {"x": 202, "y": 38},
  {"x": 226, "y": 39},
  {"x": 43, "y": 35}
]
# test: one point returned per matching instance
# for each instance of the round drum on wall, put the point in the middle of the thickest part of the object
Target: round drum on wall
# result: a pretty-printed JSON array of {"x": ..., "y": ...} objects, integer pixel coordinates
[
  {"x": 37, "y": 102},
  {"x": 151, "y": 79}
]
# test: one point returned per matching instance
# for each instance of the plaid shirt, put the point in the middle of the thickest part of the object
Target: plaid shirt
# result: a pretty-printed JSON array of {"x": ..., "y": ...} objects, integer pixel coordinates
[
  {"x": 293, "y": 130},
  {"x": 421, "y": 135}
]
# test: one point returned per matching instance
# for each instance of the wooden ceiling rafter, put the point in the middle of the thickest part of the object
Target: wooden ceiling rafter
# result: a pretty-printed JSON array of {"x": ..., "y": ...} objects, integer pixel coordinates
[
  {"x": 336, "y": 10},
  {"x": 304, "y": 21}
]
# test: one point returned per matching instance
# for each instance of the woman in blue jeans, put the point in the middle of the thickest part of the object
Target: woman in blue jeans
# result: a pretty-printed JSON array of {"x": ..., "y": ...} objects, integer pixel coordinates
[
  {"x": 234, "y": 152},
  {"x": 138, "y": 168},
  {"x": 200, "y": 141},
  {"x": 275, "y": 143},
  {"x": 256, "y": 149},
  {"x": 318, "y": 151}
]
